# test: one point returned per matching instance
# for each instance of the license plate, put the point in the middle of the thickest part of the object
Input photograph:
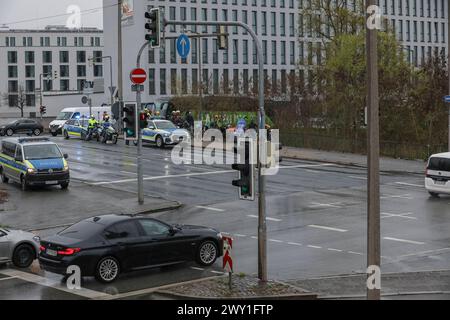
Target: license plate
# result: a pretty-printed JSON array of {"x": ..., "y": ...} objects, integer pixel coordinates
[
  {"x": 51, "y": 182},
  {"x": 441, "y": 183},
  {"x": 52, "y": 253}
]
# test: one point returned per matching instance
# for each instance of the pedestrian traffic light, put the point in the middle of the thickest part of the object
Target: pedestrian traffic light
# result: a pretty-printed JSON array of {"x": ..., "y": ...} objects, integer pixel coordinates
[
  {"x": 130, "y": 123},
  {"x": 246, "y": 170},
  {"x": 153, "y": 27},
  {"x": 143, "y": 123},
  {"x": 222, "y": 38},
  {"x": 43, "y": 110}
]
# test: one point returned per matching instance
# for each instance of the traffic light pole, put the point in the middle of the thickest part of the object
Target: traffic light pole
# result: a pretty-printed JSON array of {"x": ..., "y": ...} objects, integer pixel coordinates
[{"x": 262, "y": 226}]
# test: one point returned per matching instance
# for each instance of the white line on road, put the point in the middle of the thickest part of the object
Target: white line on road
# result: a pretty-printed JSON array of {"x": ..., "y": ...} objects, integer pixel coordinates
[
  {"x": 409, "y": 184},
  {"x": 403, "y": 240},
  {"x": 359, "y": 178},
  {"x": 267, "y": 218},
  {"x": 400, "y": 196},
  {"x": 210, "y": 208},
  {"x": 309, "y": 166},
  {"x": 277, "y": 241},
  {"x": 400, "y": 215},
  {"x": 332, "y": 249},
  {"x": 217, "y": 272},
  {"x": 423, "y": 252},
  {"x": 164, "y": 177},
  {"x": 353, "y": 252},
  {"x": 314, "y": 247},
  {"x": 239, "y": 235},
  {"x": 329, "y": 205},
  {"x": 198, "y": 269},
  {"x": 295, "y": 244},
  {"x": 8, "y": 278},
  {"x": 326, "y": 228}
]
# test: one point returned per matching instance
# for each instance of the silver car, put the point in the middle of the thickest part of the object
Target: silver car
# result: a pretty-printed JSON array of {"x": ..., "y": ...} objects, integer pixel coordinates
[{"x": 17, "y": 246}]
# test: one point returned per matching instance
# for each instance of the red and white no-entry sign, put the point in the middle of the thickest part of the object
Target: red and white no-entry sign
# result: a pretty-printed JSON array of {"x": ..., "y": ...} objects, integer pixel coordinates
[
  {"x": 227, "y": 259},
  {"x": 138, "y": 76}
]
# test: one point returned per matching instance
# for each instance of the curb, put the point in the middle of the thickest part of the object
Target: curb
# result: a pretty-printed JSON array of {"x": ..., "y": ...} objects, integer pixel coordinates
[
  {"x": 298, "y": 296},
  {"x": 391, "y": 294}
]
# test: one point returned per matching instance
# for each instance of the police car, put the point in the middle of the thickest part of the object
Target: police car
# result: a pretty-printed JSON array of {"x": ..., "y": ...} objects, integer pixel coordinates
[
  {"x": 75, "y": 128},
  {"x": 33, "y": 162},
  {"x": 164, "y": 132}
]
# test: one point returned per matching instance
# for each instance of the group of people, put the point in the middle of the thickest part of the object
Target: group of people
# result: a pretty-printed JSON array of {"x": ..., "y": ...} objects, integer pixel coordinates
[
  {"x": 186, "y": 122},
  {"x": 93, "y": 124}
]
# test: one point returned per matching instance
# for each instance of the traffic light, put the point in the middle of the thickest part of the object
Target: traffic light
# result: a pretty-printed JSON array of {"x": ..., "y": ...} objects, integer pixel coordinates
[
  {"x": 43, "y": 109},
  {"x": 222, "y": 38},
  {"x": 55, "y": 74},
  {"x": 130, "y": 124},
  {"x": 153, "y": 27},
  {"x": 363, "y": 116},
  {"x": 246, "y": 170},
  {"x": 143, "y": 123}
]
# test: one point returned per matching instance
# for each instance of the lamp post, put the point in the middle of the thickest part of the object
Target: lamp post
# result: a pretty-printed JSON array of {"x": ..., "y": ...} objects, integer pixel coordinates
[{"x": 94, "y": 59}]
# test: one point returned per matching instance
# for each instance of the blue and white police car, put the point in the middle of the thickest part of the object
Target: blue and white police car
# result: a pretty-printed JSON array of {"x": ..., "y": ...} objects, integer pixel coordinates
[{"x": 164, "y": 132}]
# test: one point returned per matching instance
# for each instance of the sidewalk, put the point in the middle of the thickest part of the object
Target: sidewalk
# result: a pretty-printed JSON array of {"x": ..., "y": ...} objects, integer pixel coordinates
[
  {"x": 53, "y": 207},
  {"x": 386, "y": 164},
  {"x": 354, "y": 286}
]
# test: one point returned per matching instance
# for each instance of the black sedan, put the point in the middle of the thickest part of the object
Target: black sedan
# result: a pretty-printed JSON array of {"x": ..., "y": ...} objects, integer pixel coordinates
[
  {"x": 22, "y": 126},
  {"x": 106, "y": 246}
]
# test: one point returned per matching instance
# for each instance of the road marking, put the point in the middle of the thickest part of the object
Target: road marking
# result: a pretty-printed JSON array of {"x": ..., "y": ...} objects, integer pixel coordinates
[
  {"x": 128, "y": 172},
  {"x": 240, "y": 235},
  {"x": 197, "y": 174},
  {"x": 409, "y": 184},
  {"x": 295, "y": 244},
  {"x": 312, "y": 171},
  {"x": 198, "y": 269},
  {"x": 210, "y": 208},
  {"x": 308, "y": 166},
  {"x": 359, "y": 178},
  {"x": 353, "y": 252},
  {"x": 403, "y": 240},
  {"x": 277, "y": 241},
  {"x": 329, "y": 205},
  {"x": 254, "y": 237},
  {"x": 267, "y": 218},
  {"x": 327, "y": 228},
  {"x": 401, "y": 196},
  {"x": 400, "y": 215},
  {"x": 314, "y": 247},
  {"x": 8, "y": 278},
  {"x": 55, "y": 284},
  {"x": 217, "y": 272},
  {"x": 423, "y": 252},
  {"x": 336, "y": 250}
]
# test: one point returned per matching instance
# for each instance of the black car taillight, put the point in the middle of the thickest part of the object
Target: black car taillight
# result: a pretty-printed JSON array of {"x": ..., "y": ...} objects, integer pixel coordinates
[{"x": 68, "y": 251}]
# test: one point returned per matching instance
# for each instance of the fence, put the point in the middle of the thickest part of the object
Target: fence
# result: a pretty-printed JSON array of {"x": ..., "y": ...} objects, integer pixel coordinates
[{"x": 394, "y": 149}]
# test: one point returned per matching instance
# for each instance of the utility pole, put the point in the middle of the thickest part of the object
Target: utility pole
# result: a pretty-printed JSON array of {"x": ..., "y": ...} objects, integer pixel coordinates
[
  {"x": 448, "y": 65},
  {"x": 119, "y": 60},
  {"x": 373, "y": 154}
]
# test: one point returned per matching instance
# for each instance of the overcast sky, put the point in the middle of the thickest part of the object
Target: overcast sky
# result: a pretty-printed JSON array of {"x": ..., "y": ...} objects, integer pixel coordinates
[{"x": 13, "y": 11}]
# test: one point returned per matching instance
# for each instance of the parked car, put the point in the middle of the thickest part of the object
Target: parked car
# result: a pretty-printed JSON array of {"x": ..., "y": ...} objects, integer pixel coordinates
[
  {"x": 22, "y": 126},
  {"x": 108, "y": 245},
  {"x": 437, "y": 175},
  {"x": 19, "y": 247}
]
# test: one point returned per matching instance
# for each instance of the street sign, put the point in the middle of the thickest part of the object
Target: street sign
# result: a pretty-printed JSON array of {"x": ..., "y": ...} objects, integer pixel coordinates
[
  {"x": 227, "y": 259},
  {"x": 183, "y": 46},
  {"x": 113, "y": 90},
  {"x": 138, "y": 76},
  {"x": 447, "y": 99},
  {"x": 88, "y": 87},
  {"x": 137, "y": 87},
  {"x": 84, "y": 100}
]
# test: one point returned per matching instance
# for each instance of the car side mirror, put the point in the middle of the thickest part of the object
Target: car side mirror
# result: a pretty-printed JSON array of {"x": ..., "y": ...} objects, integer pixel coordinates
[
  {"x": 66, "y": 156},
  {"x": 173, "y": 231}
]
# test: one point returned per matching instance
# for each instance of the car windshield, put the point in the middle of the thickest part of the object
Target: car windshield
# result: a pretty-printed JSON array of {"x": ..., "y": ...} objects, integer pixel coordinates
[
  {"x": 439, "y": 164},
  {"x": 41, "y": 151},
  {"x": 82, "y": 230},
  {"x": 165, "y": 125},
  {"x": 64, "y": 116}
]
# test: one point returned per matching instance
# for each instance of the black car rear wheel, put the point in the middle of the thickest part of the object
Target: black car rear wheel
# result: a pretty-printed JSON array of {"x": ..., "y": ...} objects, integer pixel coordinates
[
  {"x": 207, "y": 253},
  {"x": 37, "y": 132},
  {"x": 9, "y": 132},
  {"x": 107, "y": 270},
  {"x": 23, "y": 256}
]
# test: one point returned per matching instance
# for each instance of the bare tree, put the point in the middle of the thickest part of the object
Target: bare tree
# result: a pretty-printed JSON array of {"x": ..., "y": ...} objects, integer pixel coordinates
[{"x": 19, "y": 102}]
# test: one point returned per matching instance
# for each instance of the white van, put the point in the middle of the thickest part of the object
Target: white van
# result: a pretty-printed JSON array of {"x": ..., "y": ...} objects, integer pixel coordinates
[
  {"x": 437, "y": 176},
  {"x": 55, "y": 127}
]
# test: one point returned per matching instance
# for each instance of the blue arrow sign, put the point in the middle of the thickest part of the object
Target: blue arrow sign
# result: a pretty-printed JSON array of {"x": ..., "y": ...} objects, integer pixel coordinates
[
  {"x": 183, "y": 46},
  {"x": 447, "y": 99}
]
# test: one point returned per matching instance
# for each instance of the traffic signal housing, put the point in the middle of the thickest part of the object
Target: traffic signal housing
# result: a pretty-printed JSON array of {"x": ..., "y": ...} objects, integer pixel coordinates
[
  {"x": 130, "y": 123},
  {"x": 153, "y": 27},
  {"x": 143, "y": 123},
  {"x": 246, "y": 170},
  {"x": 43, "y": 109},
  {"x": 222, "y": 38}
]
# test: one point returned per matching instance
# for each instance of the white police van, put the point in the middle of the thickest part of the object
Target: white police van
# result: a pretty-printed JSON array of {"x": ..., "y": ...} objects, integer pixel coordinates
[{"x": 57, "y": 125}]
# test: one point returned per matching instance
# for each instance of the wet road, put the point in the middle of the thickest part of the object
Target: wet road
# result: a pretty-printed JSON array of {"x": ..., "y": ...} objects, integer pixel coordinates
[{"x": 316, "y": 217}]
